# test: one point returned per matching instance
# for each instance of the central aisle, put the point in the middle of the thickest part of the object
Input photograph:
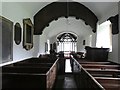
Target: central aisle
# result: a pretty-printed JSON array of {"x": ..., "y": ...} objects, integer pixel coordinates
[
  {"x": 67, "y": 66},
  {"x": 65, "y": 81}
]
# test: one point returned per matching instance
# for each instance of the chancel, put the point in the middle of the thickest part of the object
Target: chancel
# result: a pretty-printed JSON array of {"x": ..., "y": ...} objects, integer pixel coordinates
[{"x": 60, "y": 45}]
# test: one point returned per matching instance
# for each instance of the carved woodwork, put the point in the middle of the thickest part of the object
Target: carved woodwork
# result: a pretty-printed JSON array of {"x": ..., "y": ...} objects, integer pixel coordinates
[
  {"x": 96, "y": 78},
  {"x": 115, "y": 22},
  {"x": 30, "y": 73},
  {"x": 60, "y": 9},
  {"x": 96, "y": 54},
  {"x": 27, "y": 34}
]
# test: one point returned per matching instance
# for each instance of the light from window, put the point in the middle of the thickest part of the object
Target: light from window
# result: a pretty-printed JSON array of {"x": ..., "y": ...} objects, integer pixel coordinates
[{"x": 104, "y": 35}]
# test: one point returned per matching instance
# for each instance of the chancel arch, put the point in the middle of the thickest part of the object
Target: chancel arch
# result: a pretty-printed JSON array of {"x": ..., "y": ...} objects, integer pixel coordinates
[
  {"x": 63, "y": 9},
  {"x": 67, "y": 42}
]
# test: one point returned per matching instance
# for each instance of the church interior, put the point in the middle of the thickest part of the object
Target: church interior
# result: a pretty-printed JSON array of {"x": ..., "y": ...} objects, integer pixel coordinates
[{"x": 59, "y": 45}]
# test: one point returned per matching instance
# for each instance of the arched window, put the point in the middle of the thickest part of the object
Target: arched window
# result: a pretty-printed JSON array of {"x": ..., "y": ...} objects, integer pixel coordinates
[{"x": 67, "y": 43}]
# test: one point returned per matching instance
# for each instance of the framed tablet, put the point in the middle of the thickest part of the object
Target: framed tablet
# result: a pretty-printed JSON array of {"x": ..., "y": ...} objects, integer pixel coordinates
[
  {"x": 17, "y": 33},
  {"x": 6, "y": 45},
  {"x": 27, "y": 34}
]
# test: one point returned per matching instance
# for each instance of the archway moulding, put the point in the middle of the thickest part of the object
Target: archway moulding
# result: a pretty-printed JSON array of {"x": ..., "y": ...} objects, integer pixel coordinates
[{"x": 63, "y": 9}]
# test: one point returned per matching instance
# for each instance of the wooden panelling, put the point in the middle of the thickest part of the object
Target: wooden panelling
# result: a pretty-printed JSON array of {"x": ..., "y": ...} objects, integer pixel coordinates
[
  {"x": 103, "y": 75},
  {"x": 55, "y": 10},
  {"x": 30, "y": 73}
]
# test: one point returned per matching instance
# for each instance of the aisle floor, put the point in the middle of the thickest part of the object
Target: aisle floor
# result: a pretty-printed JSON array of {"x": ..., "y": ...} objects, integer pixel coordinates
[
  {"x": 65, "y": 82},
  {"x": 67, "y": 66}
]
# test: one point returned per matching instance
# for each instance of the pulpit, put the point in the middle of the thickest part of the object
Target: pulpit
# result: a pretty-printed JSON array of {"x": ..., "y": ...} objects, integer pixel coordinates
[{"x": 96, "y": 54}]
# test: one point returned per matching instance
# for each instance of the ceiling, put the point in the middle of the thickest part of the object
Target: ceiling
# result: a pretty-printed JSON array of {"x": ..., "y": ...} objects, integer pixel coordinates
[{"x": 98, "y": 8}]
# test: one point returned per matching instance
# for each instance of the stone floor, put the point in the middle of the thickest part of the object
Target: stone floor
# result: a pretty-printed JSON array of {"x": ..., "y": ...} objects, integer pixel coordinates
[{"x": 65, "y": 82}]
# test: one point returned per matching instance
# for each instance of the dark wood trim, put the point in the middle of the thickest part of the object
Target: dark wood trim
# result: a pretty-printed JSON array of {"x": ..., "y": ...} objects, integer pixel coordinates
[{"x": 60, "y": 9}]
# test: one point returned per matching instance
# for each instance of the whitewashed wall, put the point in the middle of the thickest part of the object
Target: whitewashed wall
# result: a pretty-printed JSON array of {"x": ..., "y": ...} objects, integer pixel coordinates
[
  {"x": 16, "y": 13},
  {"x": 77, "y": 27},
  {"x": 111, "y": 12},
  {"x": 113, "y": 56},
  {"x": 90, "y": 40},
  {"x": 42, "y": 40},
  {"x": 80, "y": 46}
]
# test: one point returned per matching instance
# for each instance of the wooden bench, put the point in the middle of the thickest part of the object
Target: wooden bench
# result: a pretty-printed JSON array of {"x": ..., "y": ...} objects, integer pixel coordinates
[
  {"x": 41, "y": 62},
  {"x": 88, "y": 81},
  {"x": 88, "y": 62},
  {"x": 34, "y": 64},
  {"x": 96, "y": 66},
  {"x": 104, "y": 73},
  {"x": 109, "y": 83},
  {"x": 19, "y": 69},
  {"x": 38, "y": 60},
  {"x": 83, "y": 78},
  {"x": 21, "y": 76},
  {"x": 107, "y": 74}
]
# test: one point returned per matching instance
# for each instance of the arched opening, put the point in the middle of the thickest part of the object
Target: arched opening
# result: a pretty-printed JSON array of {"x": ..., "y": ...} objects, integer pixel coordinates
[
  {"x": 55, "y": 10},
  {"x": 67, "y": 44}
]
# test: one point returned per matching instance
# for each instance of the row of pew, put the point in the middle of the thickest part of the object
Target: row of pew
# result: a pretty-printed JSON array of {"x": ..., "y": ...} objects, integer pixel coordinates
[
  {"x": 97, "y": 75},
  {"x": 31, "y": 73},
  {"x": 106, "y": 73}
]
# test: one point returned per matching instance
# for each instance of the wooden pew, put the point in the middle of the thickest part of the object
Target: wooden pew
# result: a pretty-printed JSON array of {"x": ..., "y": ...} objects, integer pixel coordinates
[
  {"x": 19, "y": 69},
  {"x": 104, "y": 73},
  {"x": 83, "y": 78},
  {"x": 22, "y": 77},
  {"x": 107, "y": 74},
  {"x": 34, "y": 64},
  {"x": 88, "y": 81},
  {"x": 18, "y": 76},
  {"x": 96, "y": 66},
  {"x": 98, "y": 63},
  {"x": 106, "y": 68},
  {"x": 109, "y": 83},
  {"x": 41, "y": 62},
  {"x": 38, "y": 60}
]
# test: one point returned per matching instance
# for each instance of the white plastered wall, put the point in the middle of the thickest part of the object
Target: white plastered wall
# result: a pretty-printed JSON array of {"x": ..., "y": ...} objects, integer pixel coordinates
[
  {"x": 113, "y": 56},
  {"x": 74, "y": 26},
  {"x": 16, "y": 13}
]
